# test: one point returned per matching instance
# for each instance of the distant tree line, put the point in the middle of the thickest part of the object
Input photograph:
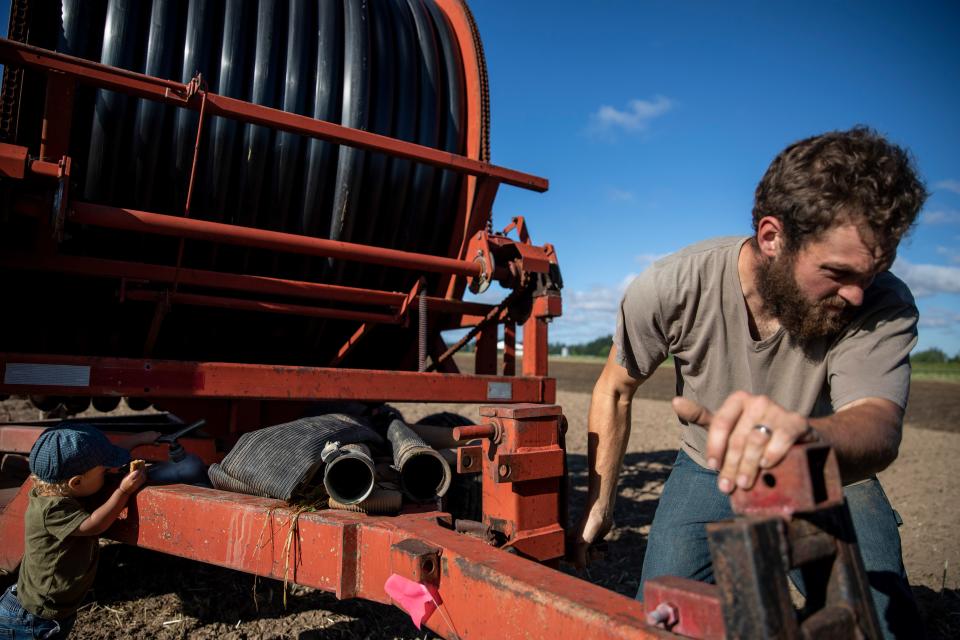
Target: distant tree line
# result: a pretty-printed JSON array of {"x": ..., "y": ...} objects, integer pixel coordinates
[
  {"x": 599, "y": 347},
  {"x": 933, "y": 356}
]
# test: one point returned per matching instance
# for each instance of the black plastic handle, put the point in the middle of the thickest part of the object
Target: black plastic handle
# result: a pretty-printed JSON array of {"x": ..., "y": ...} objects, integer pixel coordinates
[{"x": 170, "y": 438}]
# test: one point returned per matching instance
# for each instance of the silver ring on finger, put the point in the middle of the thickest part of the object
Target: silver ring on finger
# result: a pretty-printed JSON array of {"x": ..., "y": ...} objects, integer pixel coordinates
[{"x": 764, "y": 429}]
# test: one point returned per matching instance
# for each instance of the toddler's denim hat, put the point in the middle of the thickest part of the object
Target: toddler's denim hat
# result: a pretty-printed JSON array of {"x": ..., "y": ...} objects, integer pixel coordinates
[{"x": 72, "y": 449}]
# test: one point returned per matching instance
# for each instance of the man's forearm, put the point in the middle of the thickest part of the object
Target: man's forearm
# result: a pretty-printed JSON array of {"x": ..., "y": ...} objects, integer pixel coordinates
[
  {"x": 866, "y": 437},
  {"x": 608, "y": 430}
]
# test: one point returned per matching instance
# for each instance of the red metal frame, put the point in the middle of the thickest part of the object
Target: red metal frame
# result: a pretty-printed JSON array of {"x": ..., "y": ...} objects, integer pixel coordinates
[
  {"x": 102, "y": 76},
  {"x": 352, "y": 555},
  {"x": 38, "y": 374},
  {"x": 118, "y": 269}
]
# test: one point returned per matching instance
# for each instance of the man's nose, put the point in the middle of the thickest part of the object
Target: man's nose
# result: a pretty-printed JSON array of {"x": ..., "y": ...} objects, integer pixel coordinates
[{"x": 852, "y": 294}]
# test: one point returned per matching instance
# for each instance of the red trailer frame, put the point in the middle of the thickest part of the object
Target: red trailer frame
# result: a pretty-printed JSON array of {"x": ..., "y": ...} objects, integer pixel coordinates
[{"x": 521, "y": 459}]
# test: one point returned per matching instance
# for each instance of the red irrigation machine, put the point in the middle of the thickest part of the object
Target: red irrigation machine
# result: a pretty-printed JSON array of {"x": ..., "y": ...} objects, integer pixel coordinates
[{"x": 296, "y": 219}]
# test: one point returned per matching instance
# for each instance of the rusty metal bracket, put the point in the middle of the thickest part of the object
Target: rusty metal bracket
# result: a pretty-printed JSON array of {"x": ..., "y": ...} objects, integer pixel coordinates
[
  {"x": 807, "y": 479},
  {"x": 523, "y": 475},
  {"x": 795, "y": 517},
  {"x": 416, "y": 560},
  {"x": 530, "y": 465},
  {"x": 520, "y": 224},
  {"x": 192, "y": 88},
  {"x": 469, "y": 459},
  {"x": 479, "y": 249},
  {"x": 684, "y": 607}
]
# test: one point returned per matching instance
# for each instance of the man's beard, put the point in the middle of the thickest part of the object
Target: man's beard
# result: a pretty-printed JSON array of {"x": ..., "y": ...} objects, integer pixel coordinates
[{"x": 805, "y": 321}]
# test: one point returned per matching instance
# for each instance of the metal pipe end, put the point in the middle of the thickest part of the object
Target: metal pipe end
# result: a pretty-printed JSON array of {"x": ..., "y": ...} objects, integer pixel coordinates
[
  {"x": 349, "y": 478},
  {"x": 425, "y": 475}
]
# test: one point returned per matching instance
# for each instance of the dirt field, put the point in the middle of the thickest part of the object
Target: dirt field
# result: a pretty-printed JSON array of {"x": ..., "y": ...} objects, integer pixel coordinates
[{"x": 141, "y": 594}]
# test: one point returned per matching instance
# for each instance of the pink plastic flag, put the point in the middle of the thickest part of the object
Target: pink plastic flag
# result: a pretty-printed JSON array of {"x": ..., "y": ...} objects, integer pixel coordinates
[{"x": 418, "y": 600}]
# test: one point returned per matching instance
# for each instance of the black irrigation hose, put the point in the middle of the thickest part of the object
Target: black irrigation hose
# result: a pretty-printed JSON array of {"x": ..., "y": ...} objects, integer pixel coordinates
[
  {"x": 389, "y": 66},
  {"x": 424, "y": 473},
  {"x": 328, "y": 88},
  {"x": 150, "y": 114},
  {"x": 222, "y": 158},
  {"x": 356, "y": 113}
]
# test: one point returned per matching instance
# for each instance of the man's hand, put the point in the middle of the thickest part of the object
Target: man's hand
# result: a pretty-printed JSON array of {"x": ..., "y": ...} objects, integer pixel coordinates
[
  {"x": 593, "y": 528},
  {"x": 746, "y": 434}
]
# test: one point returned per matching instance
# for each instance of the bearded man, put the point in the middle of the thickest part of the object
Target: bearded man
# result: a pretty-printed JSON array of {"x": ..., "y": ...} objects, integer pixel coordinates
[{"x": 796, "y": 333}]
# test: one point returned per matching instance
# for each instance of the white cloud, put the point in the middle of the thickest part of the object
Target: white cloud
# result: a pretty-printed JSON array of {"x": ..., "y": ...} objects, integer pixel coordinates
[
  {"x": 589, "y": 314},
  {"x": 941, "y": 216},
  {"x": 635, "y": 118},
  {"x": 928, "y": 279},
  {"x": 951, "y": 254},
  {"x": 939, "y": 319},
  {"x": 948, "y": 185},
  {"x": 620, "y": 195}
]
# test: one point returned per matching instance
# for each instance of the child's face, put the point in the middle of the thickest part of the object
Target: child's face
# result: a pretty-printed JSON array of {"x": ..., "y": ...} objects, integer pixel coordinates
[{"x": 88, "y": 483}]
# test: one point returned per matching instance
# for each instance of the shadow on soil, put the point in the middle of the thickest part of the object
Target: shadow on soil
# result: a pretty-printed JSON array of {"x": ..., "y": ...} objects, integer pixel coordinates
[
  {"x": 179, "y": 588},
  {"x": 642, "y": 477},
  {"x": 940, "y": 611}
]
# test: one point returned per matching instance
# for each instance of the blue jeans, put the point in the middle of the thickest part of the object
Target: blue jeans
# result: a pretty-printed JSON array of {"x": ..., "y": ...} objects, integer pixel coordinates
[
  {"x": 16, "y": 623},
  {"x": 677, "y": 545}
]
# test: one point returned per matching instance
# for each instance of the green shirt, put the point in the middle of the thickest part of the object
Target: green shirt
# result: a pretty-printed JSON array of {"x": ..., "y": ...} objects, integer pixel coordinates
[{"x": 57, "y": 568}]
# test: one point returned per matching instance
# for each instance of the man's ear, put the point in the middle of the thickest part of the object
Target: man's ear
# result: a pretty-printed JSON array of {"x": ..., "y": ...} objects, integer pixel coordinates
[
  {"x": 770, "y": 238},
  {"x": 74, "y": 482}
]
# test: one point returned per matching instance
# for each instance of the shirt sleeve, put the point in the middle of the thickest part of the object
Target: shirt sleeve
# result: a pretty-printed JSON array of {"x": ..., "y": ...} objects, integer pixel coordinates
[
  {"x": 640, "y": 338},
  {"x": 873, "y": 358},
  {"x": 63, "y": 517}
]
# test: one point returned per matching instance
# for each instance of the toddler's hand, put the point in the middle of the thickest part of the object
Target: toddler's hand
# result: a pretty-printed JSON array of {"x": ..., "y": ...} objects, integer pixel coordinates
[{"x": 133, "y": 480}]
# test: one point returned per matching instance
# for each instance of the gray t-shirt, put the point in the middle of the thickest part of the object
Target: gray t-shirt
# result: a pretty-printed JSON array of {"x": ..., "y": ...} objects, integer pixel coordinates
[{"x": 691, "y": 305}]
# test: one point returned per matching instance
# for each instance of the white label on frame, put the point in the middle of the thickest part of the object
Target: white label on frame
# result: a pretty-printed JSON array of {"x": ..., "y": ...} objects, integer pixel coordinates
[
  {"x": 499, "y": 391},
  {"x": 47, "y": 375}
]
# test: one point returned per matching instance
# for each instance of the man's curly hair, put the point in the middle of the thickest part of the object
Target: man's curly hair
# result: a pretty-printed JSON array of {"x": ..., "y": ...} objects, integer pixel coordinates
[{"x": 841, "y": 176}]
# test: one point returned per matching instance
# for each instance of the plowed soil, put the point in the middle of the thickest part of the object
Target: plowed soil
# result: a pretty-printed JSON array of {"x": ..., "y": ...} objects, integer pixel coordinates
[{"x": 140, "y": 594}]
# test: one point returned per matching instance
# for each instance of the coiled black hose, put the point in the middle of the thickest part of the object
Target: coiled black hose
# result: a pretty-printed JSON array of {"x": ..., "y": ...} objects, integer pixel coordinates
[{"x": 389, "y": 66}]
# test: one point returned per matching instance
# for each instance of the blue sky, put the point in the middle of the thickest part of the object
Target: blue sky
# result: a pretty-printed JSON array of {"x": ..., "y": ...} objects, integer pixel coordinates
[{"x": 654, "y": 121}]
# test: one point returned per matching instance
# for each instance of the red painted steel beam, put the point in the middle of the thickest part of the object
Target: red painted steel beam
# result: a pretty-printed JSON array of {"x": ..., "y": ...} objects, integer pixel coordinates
[
  {"x": 13, "y": 161},
  {"x": 79, "y": 375},
  {"x": 17, "y": 54},
  {"x": 11, "y": 527},
  {"x": 192, "y": 299},
  {"x": 15, "y": 438},
  {"x": 45, "y": 169},
  {"x": 99, "y": 267},
  {"x": 685, "y": 607},
  {"x": 160, "y": 224},
  {"x": 352, "y": 555}
]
